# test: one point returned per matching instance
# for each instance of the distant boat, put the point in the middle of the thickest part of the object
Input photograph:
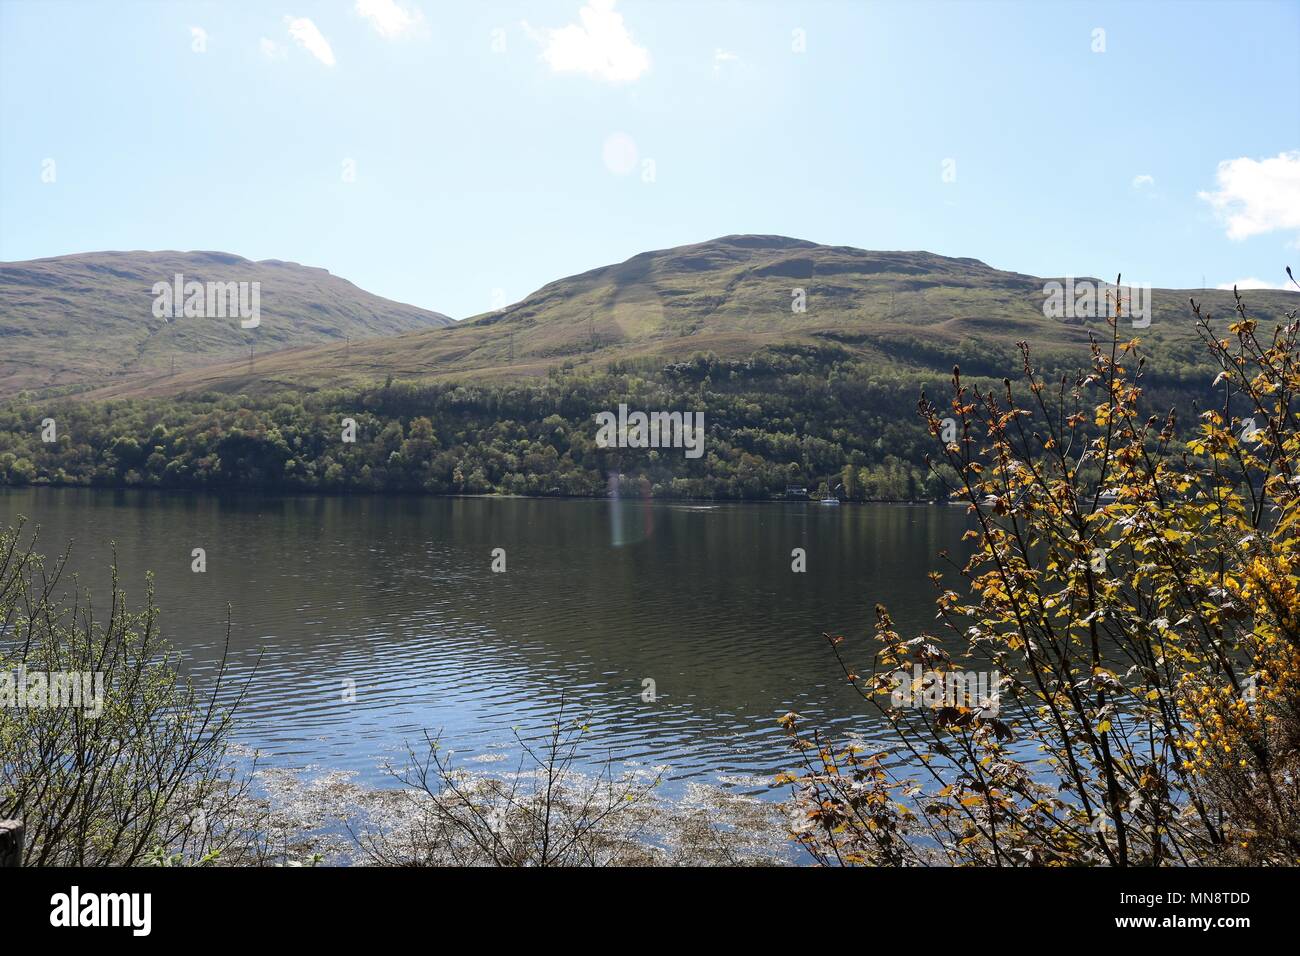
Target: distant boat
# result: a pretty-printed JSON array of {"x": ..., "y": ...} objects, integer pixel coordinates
[{"x": 828, "y": 500}]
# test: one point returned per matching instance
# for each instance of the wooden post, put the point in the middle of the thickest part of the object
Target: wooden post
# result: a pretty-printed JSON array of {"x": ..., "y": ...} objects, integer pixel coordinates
[{"x": 11, "y": 843}]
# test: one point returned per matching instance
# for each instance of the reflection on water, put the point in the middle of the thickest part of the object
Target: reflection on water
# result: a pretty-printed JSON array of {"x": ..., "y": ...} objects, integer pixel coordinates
[{"x": 395, "y": 598}]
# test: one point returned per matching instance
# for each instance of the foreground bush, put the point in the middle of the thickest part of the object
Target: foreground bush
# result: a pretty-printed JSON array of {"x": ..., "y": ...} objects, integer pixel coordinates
[
  {"x": 1145, "y": 624},
  {"x": 552, "y": 812},
  {"x": 107, "y": 754}
]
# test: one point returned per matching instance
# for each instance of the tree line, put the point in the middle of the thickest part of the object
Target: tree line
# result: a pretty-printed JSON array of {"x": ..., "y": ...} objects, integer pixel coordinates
[{"x": 817, "y": 418}]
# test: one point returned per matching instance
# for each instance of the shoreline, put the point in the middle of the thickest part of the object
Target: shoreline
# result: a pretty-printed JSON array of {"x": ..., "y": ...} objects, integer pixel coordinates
[{"x": 236, "y": 490}]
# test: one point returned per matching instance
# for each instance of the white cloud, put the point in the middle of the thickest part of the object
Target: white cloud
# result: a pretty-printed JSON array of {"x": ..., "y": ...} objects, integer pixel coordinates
[
  {"x": 599, "y": 45},
  {"x": 1252, "y": 283},
  {"x": 271, "y": 50},
  {"x": 1257, "y": 196},
  {"x": 1143, "y": 180},
  {"x": 310, "y": 39},
  {"x": 620, "y": 154},
  {"x": 388, "y": 18},
  {"x": 722, "y": 57}
]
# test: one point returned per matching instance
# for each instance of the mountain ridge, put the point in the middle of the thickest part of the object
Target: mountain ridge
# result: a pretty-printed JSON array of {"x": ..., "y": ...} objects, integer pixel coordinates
[
  {"x": 86, "y": 319},
  {"x": 732, "y": 296}
]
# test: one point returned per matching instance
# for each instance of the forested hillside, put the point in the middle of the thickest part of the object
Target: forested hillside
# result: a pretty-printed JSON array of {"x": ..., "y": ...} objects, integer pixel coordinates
[{"x": 784, "y": 416}]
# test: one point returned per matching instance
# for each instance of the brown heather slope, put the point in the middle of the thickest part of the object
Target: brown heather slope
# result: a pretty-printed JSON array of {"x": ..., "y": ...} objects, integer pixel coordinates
[
  {"x": 79, "y": 321},
  {"x": 731, "y": 296}
]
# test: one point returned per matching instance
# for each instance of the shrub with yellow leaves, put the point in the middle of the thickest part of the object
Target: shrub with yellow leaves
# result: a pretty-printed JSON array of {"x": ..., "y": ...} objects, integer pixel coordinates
[{"x": 1138, "y": 593}]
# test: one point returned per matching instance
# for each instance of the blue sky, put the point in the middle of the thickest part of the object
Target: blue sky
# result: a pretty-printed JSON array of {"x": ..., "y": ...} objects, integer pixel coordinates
[{"x": 458, "y": 156}]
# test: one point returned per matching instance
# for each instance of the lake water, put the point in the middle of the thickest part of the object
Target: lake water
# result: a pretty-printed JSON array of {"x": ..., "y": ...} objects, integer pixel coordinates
[{"x": 396, "y": 598}]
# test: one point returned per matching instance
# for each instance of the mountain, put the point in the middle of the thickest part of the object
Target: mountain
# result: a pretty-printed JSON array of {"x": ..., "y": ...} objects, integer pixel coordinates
[
  {"x": 77, "y": 321},
  {"x": 734, "y": 296},
  {"x": 507, "y": 402}
]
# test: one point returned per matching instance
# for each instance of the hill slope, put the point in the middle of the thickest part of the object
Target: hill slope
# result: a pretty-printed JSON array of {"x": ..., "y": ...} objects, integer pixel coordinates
[
  {"x": 826, "y": 395},
  {"x": 733, "y": 296},
  {"x": 84, "y": 320}
]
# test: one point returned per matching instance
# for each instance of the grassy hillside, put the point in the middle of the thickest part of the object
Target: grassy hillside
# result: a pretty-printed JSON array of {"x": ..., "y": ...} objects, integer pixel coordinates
[
  {"x": 79, "y": 321},
  {"x": 731, "y": 297}
]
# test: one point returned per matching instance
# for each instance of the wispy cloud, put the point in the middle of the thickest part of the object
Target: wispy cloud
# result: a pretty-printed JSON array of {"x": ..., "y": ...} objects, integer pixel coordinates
[
  {"x": 304, "y": 32},
  {"x": 1257, "y": 196},
  {"x": 1143, "y": 180},
  {"x": 722, "y": 57},
  {"x": 272, "y": 50},
  {"x": 390, "y": 19},
  {"x": 1253, "y": 283},
  {"x": 598, "y": 45}
]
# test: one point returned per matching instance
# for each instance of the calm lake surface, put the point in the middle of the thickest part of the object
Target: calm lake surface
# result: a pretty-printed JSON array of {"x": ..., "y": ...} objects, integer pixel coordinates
[{"x": 397, "y": 596}]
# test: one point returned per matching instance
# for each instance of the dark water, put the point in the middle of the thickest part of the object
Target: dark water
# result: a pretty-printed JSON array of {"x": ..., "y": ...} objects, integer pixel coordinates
[{"x": 397, "y": 596}]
